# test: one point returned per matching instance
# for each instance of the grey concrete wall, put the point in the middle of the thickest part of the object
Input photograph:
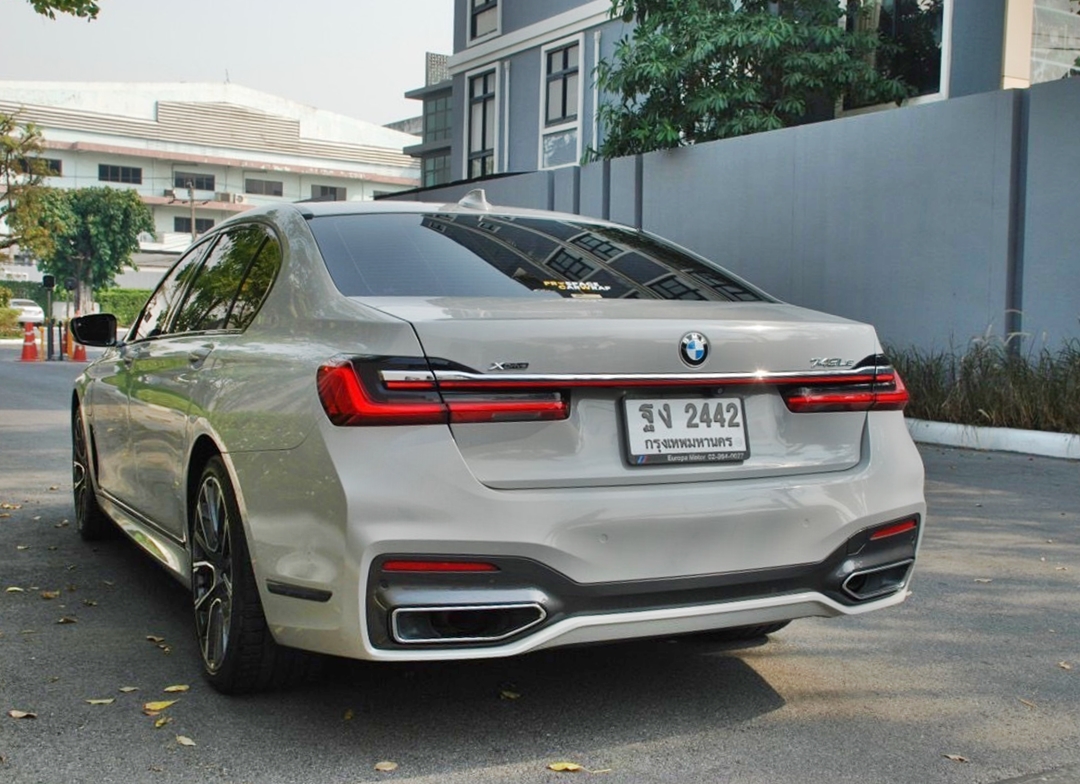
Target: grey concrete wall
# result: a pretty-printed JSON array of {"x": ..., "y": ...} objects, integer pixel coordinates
[
  {"x": 524, "y": 146},
  {"x": 977, "y": 54},
  {"x": 522, "y": 13},
  {"x": 923, "y": 221},
  {"x": 1051, "y": 233}
]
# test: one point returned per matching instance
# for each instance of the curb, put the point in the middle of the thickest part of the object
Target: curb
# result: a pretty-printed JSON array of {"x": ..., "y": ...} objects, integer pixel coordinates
[{"x": 996, "y": 439}]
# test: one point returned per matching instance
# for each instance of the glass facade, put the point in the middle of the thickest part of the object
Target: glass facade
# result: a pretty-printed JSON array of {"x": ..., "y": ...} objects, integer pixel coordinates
[
  {"x": 482, "y": 124},
  {"x": 1055, "y": 43},
  {"x": 912, "y": 32}
]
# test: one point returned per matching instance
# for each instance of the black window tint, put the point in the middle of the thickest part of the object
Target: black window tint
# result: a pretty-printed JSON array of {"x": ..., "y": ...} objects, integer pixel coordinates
[
  {"x": 455, "y": 255},
  {"x": 256, "y": 284},
  {"x": 155, "y": 313},
  {"x": 212, "y": 293}
]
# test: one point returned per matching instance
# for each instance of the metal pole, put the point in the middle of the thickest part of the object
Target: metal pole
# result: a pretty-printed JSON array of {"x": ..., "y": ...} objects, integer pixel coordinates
[
  {"x": 49, "y": 326},
  {"x": 191, "y": 201}
]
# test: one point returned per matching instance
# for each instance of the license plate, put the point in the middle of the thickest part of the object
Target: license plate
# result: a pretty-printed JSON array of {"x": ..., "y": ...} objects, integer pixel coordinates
[{"x": 663, "y": 431}]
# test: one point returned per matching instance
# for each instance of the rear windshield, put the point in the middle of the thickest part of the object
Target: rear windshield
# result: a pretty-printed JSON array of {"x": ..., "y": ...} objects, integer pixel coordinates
[{"x": 454, "y": 255}]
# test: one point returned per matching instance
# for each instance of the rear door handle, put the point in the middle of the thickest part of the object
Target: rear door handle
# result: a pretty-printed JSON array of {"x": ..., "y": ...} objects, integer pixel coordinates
[{"x": 198, "y": 355}]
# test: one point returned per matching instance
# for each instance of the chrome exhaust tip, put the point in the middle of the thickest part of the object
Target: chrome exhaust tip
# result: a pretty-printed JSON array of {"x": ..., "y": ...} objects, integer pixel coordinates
[
  {"x": 880, "y": 581},
  {"x": 457, "y": 624}
]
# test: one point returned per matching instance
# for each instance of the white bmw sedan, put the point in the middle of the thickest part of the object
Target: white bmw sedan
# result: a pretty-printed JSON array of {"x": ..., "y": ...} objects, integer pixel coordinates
[{"x": 404, "y": 431}]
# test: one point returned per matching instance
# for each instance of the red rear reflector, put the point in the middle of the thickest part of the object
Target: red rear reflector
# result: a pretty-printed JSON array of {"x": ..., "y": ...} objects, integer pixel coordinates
[
  {"x": 346, "y": 402},
  {"x": 438, "y": 566},
  {"x": 894, "y": 530}
]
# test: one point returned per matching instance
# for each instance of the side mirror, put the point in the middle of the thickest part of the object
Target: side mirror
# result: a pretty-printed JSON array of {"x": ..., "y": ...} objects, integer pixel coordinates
[{"x": 98, "y": 329}]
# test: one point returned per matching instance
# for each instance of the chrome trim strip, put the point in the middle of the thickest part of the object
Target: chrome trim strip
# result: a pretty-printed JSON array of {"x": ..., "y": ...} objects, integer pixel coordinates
[
  {"x": 469, "y": 608},
  {"x": 762, "y": 376}
]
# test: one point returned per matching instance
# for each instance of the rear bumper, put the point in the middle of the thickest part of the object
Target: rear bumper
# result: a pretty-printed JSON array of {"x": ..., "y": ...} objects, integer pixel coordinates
[{"x": 693, "y": 556}]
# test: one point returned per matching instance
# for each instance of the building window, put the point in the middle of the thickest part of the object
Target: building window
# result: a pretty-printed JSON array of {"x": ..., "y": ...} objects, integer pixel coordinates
[
  {"x": 912, "y": 33},
  {"x": 46, "y": 167},
  {"x": 182, "y": 225},
  {"x": 264, "y": 187},
  {"x": 436, "y": 169},
  {"x": 562, "y": 85},
  {"x": 327, "y": 193},
  {"x": 437, "y": 119},
  {"x": 482, "y": 125},
  {"x": 131, "y": 175},
  {"x": 483, "y": 18},
  {"x": 200, "y": 182},
  {"x": 1055, "y": 45},
  {"x": 561, "y": 107}
]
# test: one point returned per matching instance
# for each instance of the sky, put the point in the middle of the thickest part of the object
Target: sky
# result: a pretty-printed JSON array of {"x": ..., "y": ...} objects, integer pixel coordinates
[{"x": 354, "y": 57}]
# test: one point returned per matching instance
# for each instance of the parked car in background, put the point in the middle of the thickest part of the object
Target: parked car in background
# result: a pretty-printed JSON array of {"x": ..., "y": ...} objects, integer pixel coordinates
[
  {"x": 412, "y": 432},
  {"x": 29, "y": 311}
]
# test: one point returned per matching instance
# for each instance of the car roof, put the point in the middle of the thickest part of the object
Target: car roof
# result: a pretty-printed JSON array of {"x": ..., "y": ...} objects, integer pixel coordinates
[{"x": 23, "y": 302}]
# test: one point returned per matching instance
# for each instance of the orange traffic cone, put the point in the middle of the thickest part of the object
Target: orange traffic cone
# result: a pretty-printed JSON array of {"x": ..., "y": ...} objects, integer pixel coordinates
[
  {"x": 79, "y": 355},
  {"x": 29, "y": 346}
]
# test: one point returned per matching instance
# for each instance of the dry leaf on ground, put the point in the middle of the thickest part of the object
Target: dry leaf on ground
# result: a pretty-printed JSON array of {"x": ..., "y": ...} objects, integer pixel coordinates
[
  {"x": 19, "y": 714},
  {"x": 565, "y": 767},
  {"x": 162, "y": 721},
  {"x": 506, "y": 694},
  {"x": 983, "y": 580},
  {"x": 14, "y": 589},
  {"x": 184, "y": 740},
  {"x": 955, "y": 758},
  {"x": 385, "y": 766},
  {"x": 348, "y": 715},
  {"x": 154, "y": 639},
  {"x": 128, "y": 689},
  {"x": 104, "y": 701},
  {"x": 1064, "y": 665},
  {"x": 67, "y": 619},
  {"x": 50, "y": 594},
  {"x": 177, "y": 688},
  {"x": 154, "y": 708},
  {"x": 1029, "y": 703}
]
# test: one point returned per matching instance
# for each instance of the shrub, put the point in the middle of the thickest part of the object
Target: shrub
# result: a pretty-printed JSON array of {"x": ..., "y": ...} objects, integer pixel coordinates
[
  {"x": 125, "y": 304},
  {"x": 994, "y": 386}
]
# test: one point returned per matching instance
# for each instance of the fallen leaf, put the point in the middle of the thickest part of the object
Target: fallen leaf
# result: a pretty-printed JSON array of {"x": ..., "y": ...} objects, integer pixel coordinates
[
  {"x": 105, "y": 701},
  {"x": 175, "y": 689},
  {"x": 18, "y": 714},
  {"x": 348, "y": 715},
  {"x": 50, "y": 594},
  {"x": 89, "y": 603},
  {"x": 5, "y": 514},
  {"x": 10, "y": 506},
  {"x": 565, "y": 767},
  {"x": 53, "y": 488},
  {"x": 506, "y": 694},
  {"x": 153, "y": 639},
  {"x": 152, "y": 708},
  {"x": 1029, "y": 703},
  {"x": 162, "y": 722},
  {"x": 983, "y": 580},
  {"x": 165, "y": 649},
  {"x": 128, "y": 689},
  {"x": 955, "y": 758},
  {"x": 109, "y": 583},
  {"x": 38, "y": 517},
  {"x": 14, "y": 589},
  {"x": 22, "y": 547},
  {"x": 63, "y": 524},
  {"x": 67, "y": 619},
  {"x": 385, "y": 766},
  {"x": 184, "y": 740},
  {"x": 1064, "y": 665},
  {"x": 1061, "y": 568}
]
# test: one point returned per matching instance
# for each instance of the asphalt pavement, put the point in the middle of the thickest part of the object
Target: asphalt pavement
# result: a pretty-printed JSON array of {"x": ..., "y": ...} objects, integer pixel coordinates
[{"x": 975, "y": 679}]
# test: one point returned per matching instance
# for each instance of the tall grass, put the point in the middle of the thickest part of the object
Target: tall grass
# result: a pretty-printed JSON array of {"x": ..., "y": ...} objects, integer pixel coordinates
[{"x": 994, "y": 386}]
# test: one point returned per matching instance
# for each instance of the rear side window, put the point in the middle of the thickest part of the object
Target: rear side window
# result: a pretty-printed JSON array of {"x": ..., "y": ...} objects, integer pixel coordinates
[
  {"x": 157, "y": 310},
  {"x": 232, "y": 282},
  {"x": 454, "y": 255}
]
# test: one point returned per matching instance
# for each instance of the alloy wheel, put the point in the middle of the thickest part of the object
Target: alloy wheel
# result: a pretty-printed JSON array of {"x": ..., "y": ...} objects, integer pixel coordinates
[{"x": 212, "y": 572}]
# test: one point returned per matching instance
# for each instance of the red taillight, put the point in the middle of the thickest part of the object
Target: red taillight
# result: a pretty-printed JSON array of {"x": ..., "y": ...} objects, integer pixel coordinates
[
  {"x": 894, "y": 529},
  {"x": 438, "y": 566},
  {"x": 352, "y": 393},
  {"x": 886, "y": 393}
]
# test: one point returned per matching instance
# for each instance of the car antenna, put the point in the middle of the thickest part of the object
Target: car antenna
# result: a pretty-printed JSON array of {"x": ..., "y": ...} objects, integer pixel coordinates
[{"x": 475, "y": 199}]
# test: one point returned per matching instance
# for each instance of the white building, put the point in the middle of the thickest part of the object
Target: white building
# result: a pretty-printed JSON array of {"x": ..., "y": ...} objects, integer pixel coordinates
[{"x": 229, "y": 146}]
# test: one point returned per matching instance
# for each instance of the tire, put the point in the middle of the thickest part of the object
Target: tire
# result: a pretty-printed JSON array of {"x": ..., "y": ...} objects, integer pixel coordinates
[
  {"x": 90, "y": 520},
  {"x": 740, "y": 633},
  {"x": 238, "y": 652}
]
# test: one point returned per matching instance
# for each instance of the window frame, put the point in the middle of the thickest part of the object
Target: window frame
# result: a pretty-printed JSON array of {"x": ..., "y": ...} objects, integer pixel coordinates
[
  {"x": 943, "y": 83},
  {"x": 105, "y": 168},
  {"x": 574, "y": 124},
  {"x": 338, "y": 189},
  {"x": 264, "y": 182},
  {"x": 445, "y": 130},
  {"x": 198, "y": 222},
  {"x": 197, "y": 179},
  {"x": 474, "y": 12},
  {"x": 495, "y": 72}
]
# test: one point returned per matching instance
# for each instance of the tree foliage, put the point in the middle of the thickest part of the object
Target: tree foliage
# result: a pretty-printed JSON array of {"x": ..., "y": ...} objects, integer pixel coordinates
[
  {"x": 84, "y": 9},
  {"x": 698, "y": 70},
  {"x": 25, "y": 204},
  {"x": 101, "y": 232}
]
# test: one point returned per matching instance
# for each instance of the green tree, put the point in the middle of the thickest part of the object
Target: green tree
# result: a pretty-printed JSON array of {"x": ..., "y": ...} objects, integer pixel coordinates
[
  {"x": 698, "y": 70},
  {"x": 26, "y": 206},
  {"x": 101, "y": 233},
  {"x": 84, "y": 9}
]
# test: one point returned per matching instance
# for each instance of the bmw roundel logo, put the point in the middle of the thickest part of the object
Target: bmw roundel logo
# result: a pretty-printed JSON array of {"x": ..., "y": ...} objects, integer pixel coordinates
[{"x": 694, "y": 349}]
